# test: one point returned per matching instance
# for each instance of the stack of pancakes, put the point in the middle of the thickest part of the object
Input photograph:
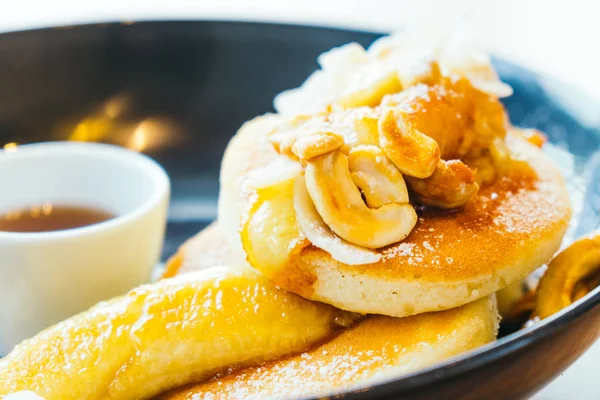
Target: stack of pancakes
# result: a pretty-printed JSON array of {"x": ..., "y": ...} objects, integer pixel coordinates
[
  {"x": 312, "y": 325},
  {"x": 440, "y": 280}
]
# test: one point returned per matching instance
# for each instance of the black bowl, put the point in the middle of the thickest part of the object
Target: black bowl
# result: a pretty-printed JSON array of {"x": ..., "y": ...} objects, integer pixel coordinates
[{"x": 195, "y": 83}]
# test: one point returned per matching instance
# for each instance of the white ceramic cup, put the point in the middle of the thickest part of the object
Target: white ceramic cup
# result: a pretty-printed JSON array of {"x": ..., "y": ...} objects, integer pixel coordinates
[{"x": 48, "y": 276}]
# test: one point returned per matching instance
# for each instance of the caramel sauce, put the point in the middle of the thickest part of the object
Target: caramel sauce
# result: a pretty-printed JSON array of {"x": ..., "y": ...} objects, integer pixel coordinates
[{"x": 48, "y": 217}]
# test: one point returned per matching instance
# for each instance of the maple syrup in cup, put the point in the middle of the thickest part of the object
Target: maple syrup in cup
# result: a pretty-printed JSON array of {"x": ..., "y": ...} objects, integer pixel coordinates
[
  {"x": 49, "y": 217},
  {"x": 79, "y": 223}
]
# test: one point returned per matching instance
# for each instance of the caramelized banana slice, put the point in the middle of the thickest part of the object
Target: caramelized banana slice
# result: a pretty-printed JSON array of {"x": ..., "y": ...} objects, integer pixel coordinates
[
  {"x": 573, "y": 273},
  {"x": 167, "y": 334},
  {"x": 451, "y": 185},
  {"x": 413, "y": 153},
  {"x": 319, "y": 234},
  {"x": 341, "y": 206},
  {"x": 270, "y": 234},
  {"x": 375, "y": 175}
]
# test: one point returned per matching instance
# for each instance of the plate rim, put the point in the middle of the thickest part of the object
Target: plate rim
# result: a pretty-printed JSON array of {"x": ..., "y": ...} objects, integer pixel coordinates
[{"x": 451, "y": 367}]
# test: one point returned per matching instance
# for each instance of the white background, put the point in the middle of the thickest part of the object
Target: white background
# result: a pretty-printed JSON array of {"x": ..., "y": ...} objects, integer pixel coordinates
[{"x": 557, "y": 38}]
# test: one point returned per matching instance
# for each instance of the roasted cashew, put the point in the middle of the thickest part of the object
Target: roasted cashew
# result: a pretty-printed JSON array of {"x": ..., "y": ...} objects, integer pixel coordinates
[
  {"x": 451, "y": 185},
  {"x": 284, "y": 136},
  {"x": 414, "y": 153},
  {"x": 316, "y": 144},
  {"x": 376, "y": 176},
  {"x": 341, "y": 206},
  {"x": 319, "y": 234}
]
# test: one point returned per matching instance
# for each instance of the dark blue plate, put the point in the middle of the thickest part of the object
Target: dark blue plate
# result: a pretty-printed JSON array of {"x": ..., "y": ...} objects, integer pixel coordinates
[{"x": 193, "y": 83}]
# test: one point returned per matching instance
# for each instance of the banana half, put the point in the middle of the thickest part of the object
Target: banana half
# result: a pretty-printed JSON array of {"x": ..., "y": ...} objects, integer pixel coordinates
[{"x": 163, "y": 335}]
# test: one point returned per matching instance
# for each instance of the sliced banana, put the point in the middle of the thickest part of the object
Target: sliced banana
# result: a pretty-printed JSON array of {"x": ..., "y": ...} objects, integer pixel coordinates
[
  {"x": 167, "y": 334},
  {"x": 319, "y": 234},
  {"x": 341, "y": 206},
  {"x": 414, "y": 153},
  {"x": 572, "y": 273},
  {"x": 270, "y": 234}
]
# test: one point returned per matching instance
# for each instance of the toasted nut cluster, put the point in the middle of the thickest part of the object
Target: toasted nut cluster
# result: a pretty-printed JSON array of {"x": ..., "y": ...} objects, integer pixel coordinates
[
  {"x": 355, "y": 127},
  {"x": 341, "y": 206},
  {"x": 381, "y": 123},
  {"x": 333, "y": 214}
]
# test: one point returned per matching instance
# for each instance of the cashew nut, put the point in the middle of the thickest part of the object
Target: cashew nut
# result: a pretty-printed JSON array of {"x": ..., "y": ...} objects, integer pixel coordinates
[
  {"x": 341, "y": 206},
  {"x": 316, "y": 144},
  {"x": 375, "y": 175},
  {"x": 319, "y": 234},
  {"x": 284, "y": 136},
  {"x": 451, "y": 185},
  {"x": 413, "y": 153}
]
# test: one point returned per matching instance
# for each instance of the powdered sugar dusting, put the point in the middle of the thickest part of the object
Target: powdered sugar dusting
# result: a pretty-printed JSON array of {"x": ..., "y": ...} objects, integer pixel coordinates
[{"x": 401, "y": 250}]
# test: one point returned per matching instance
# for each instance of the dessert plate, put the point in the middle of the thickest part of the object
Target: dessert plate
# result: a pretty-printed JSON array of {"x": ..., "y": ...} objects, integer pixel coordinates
[{"x": 179, "y": 90}]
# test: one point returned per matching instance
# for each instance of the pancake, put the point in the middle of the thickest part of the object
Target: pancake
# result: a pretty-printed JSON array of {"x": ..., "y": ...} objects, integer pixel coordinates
[
  {"x": 374, "y": 349},
  {"x": 514, "y": 225}
]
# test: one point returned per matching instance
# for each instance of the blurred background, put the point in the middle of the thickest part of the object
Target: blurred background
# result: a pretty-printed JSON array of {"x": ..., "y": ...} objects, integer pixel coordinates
[{"x": 555, "y": 38}]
